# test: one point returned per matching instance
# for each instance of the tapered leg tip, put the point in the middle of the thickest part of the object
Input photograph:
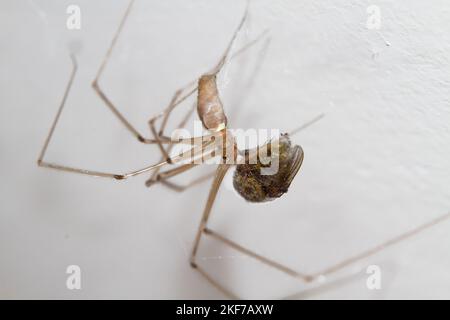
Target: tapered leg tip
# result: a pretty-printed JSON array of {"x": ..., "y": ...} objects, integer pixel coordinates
[{"x": 150, "y": 183}]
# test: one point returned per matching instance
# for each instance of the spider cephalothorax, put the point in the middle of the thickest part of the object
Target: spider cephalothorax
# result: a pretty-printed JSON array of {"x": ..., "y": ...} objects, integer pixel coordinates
[{"x": 254, "y": 186}]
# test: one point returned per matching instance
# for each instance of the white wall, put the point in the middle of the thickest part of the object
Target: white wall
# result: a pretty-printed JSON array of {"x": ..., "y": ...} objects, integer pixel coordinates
[{"x": 375, "y": 166}]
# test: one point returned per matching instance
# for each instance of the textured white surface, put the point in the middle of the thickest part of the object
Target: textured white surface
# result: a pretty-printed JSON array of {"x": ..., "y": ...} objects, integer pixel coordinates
[{"x": 375, "y": 166}]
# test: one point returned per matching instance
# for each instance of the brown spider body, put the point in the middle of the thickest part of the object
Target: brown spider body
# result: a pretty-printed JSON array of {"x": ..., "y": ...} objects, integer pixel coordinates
[{"x": 209, "y": 106}]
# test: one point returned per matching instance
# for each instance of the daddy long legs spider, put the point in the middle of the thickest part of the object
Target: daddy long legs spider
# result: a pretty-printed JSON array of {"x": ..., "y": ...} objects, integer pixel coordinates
[{"x": 249, "y": 182}]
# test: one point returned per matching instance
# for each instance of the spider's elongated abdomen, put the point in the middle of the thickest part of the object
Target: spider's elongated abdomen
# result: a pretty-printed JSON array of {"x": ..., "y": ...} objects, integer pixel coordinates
[
  {"x": 209, "y": 106},
  {"x": 256, "y": 187}
]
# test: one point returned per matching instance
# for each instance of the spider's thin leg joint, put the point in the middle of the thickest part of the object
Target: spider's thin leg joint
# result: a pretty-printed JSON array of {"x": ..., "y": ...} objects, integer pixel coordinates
[
  {"x": 141, "y": 138},
  {"x": 207, "y": 231},
  {"x": 152, "y": 182},
  {"x": 269, "y": 262},
  {"x": 95, "y": 85}
]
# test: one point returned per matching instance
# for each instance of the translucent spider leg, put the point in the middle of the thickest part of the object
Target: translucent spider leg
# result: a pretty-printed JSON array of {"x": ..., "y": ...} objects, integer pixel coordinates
[
  {"x": 110, "y": 104},
  {"x": 220, "y": 174},
  {"x": 331, "y": 269},
  {"x": 164, "y": 176},
  {"x": 225, "y": 55},
  {"x": 307, "y": 124},
  {"x": 181, "y": 188},
  {"x": 153, "y": 177},
  {"x": 188, "y": 155},
  {"x": 100, "y": 92}
]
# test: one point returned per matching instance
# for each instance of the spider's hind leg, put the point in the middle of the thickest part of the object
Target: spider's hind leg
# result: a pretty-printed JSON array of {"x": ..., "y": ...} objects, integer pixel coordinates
[{"x": 301, "y": 276}]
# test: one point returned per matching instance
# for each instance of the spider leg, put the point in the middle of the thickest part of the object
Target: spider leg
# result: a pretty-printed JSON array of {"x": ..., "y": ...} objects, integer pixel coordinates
[
  {"x": 151, "y": 180},
  {"x": 393, "y": 241},
  {"x": 219, "y": 176},
  {"x": 307, "y": 124},
  {"x": 121, "y": 176},
  {"x": 96, "y": 86},
  {"x": 101, "y": 93},
  {"x": 163, "y": 178},
  {"x": 225, "y": 55},
  {"x": 182, "y": 188},
  {"x": 188, "y": 155},
  {"x": 326, "y": 271},
  {"x": 41, "y": 161}
]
